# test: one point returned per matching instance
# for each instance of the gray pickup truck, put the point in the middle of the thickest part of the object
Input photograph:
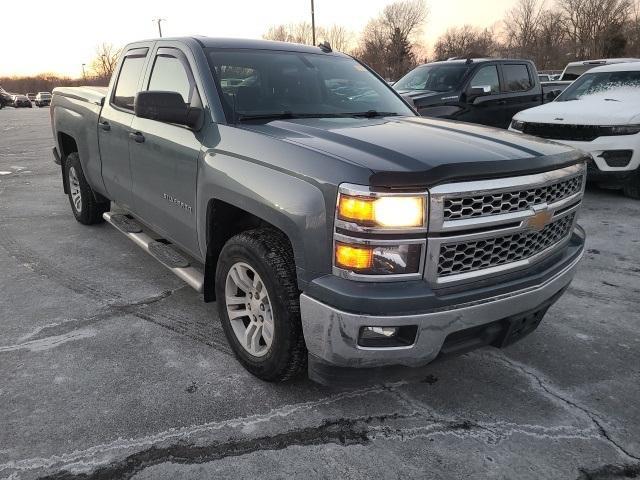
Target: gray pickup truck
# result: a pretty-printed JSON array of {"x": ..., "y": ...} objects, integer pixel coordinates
[{"x": 337, "y": 230}]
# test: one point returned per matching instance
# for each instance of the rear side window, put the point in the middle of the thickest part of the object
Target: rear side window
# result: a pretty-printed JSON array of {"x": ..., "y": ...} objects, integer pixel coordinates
[
  {"x": 127, "y": 86},
  {"x": 516, "y": 78},
  {"x": 487, "y": 75},
  {"x": 169, "y": 74}
]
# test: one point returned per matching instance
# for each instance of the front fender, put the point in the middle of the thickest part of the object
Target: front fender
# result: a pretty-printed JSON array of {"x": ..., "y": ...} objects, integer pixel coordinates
[{"x": 295, "y": 206}]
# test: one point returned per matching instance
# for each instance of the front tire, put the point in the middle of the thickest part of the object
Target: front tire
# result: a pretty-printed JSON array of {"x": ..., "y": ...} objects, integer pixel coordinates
[
  {"x": 84, "y": 205},
  {"x": 258, "y": 303}
]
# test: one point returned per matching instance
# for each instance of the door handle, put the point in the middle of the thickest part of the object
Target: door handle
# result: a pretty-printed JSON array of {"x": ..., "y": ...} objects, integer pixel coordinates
[
  {"x": 137, "y": 136},
  {"x": 501, "y": 102},
  {"x": 105, "y": 126}
]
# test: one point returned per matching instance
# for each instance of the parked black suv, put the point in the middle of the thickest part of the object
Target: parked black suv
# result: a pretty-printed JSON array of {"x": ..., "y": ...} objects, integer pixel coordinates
[{"x": 481, "y": 90}]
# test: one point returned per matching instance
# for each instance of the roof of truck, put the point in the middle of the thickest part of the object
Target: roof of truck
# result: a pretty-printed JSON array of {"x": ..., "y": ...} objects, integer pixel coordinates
[
  {"x": 618, "y": 67},
  {"x": 602, "y": 61},
  {"x": 213, "y": 42}
]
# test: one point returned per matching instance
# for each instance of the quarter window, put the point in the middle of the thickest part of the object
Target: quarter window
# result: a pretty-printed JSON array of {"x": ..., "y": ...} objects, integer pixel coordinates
[
  {"x": 127, "y": 86},
  {"x": 169, "y": 74},
  {"x": 516, "y": 78},
  {"x": 487, "y": 75}
]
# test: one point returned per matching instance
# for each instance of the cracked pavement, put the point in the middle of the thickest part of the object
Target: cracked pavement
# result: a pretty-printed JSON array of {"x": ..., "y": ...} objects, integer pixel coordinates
[{"x": 110, "y": 367}]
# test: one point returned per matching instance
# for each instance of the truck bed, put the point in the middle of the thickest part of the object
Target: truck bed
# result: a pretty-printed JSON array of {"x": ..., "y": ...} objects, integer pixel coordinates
[
  {"x": 75, "y": 112},
  {"x": 95, "y": 95}
]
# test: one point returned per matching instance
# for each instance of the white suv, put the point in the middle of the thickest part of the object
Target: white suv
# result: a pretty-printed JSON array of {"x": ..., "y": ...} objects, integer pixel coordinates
[
  {"x": 43, "y": 99},
  {"x": 599, "y": 113}
]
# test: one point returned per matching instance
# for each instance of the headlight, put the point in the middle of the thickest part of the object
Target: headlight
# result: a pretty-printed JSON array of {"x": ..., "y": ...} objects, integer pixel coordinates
[
  {"x": 378, "y": 259},
  {"x": 384, "y": 211},
  {"x": 517, "y": 125},
  {"x": 620, "y": 130}
]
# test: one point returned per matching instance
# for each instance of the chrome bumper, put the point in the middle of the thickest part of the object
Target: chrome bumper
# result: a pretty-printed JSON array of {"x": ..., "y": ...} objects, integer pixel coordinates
[{"x": 331, "y": 335}]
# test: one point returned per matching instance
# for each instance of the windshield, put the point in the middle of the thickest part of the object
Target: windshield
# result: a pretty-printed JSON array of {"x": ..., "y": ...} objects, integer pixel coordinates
[
  {"x": 608, "y": 85},
  {"x": 263, "y": 83},
  {"x": 436, "y": 78}
]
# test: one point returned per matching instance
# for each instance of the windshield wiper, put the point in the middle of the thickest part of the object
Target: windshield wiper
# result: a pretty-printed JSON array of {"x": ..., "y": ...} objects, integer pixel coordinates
[
  {"x": 266, "y": 116},
  {"x": 372, "y": 114},
  {"x": 291, "y": 115}
]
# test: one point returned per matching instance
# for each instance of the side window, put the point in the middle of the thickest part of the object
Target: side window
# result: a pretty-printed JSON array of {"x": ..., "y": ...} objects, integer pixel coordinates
[
  {"x": 127, "y": 86},
  {"x": 487, "y": 75},
  {"x": 516, "y": 78},
  {"x": 169, "y": 74}
]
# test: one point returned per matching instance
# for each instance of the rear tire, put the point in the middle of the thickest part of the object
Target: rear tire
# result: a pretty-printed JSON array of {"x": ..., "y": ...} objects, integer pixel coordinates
[
  {"x": 84, "y": 205},
  {"x": 632, "y": 186},
  {"x": 266, "y": 260}
]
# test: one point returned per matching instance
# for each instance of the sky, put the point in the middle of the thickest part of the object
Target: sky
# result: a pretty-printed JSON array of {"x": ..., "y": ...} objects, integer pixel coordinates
[{"x": 64, "y": 38}]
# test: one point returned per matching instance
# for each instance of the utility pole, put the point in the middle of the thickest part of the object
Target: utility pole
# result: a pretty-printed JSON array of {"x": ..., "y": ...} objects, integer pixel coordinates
[
  {"x": 313, "y": 23},
  {"x": 159, "y": 21},
  {"x": 84, "y": 75}
]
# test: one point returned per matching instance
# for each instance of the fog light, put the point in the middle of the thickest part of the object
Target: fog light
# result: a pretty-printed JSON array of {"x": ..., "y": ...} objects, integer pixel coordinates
[
  {"x": 386, "y": 331},
  {"x": 387, "y": 337}
]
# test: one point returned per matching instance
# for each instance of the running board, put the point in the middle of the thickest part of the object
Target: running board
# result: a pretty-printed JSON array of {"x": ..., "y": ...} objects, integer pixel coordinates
[{"x": 162, "y": 251}]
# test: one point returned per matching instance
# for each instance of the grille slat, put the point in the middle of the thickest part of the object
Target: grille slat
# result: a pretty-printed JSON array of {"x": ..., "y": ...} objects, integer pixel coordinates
[
  {"x": 469, "y": 256},
  {"x": 508, "y": 202}
]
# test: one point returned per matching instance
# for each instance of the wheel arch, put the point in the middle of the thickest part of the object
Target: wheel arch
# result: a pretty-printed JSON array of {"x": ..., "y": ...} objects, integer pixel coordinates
[{"x": 225, "y": 220}]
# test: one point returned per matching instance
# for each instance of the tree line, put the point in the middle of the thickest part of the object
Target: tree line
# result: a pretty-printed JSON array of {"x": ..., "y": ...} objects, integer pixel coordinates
[
  {"x": 549, "y": 32},
  {"x": 97, "y": 73}
]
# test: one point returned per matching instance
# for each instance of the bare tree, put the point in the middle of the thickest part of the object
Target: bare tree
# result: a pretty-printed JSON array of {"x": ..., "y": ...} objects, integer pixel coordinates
[
  {"x": 406, "y": 17},
  {"x": 338, "y": 36},
  {"x": 105, "y": 60},
  {"x": 551, "y": 45},
  {"x": 466, "y": 41},
  {"x": 591, "y": 22},
  {"x": 279, "y": 33},
  {"x": 388, "y": 41},
  {"x": 521, "y": 25}
]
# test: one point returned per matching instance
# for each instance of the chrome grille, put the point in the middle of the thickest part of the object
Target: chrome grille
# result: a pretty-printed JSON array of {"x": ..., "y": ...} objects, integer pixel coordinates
[
  {"x": 461, "y": 257},
  {"x": 501, "y": 225},
  {"x": 513, "y": 201}
]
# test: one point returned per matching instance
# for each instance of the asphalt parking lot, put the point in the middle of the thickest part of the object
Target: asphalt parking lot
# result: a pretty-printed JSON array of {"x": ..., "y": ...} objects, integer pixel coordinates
[{"x": 110, "y": 367}]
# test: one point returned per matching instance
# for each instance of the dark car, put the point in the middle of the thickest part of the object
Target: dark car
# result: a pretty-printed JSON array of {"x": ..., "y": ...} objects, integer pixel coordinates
[
  {"x": 21, "y": 101},
  {"x": 485, "y": 91},
  {"x": 5, "y": 98}
]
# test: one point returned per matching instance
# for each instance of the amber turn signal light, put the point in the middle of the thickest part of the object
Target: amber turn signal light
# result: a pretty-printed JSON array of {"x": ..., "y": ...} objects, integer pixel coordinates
[
  {"x": 353, "y": 257},
  {"x": 357, "y": 209}
]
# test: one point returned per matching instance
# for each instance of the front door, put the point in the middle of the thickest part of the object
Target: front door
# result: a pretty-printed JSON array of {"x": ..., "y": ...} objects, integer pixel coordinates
[
  {"x": 164, "y": 157},
  {"x": 488, "y": 109},
  {"x": 114, "y": 127}
]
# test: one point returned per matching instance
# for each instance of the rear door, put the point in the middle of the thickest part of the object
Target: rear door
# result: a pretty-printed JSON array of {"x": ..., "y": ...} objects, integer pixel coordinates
[
  {"x": 114, "y": 126},
  {"x": 521, "y": 90},
  {"x": 164, "y": 156}
]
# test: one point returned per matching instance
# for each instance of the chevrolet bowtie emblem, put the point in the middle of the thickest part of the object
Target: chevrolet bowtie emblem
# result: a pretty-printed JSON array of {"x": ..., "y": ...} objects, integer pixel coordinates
[{"x": 539, "y": 220}]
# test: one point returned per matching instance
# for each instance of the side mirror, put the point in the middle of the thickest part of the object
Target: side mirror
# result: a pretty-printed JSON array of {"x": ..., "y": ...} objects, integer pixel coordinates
[
  {"x": 553, "y": 94},
  {"x": 478, "y": 91},
  {"x": 166, "y": 107}
]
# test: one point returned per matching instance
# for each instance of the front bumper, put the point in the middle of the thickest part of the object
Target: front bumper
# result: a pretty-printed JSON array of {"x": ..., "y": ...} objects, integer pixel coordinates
[
  {"x": 331, "y": 334},
  {"x": 597, "y": 147}
]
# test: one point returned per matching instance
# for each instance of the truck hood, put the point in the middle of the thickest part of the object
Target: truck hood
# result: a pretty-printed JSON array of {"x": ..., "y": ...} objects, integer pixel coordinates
[
  {"x": 417, "y": 151},
  {"x": 589, "y": 111}
]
